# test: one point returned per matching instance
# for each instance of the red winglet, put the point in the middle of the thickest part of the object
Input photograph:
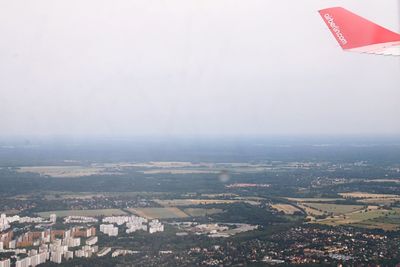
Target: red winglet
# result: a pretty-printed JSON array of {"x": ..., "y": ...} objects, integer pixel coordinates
[{"x": 352, "y": 31}]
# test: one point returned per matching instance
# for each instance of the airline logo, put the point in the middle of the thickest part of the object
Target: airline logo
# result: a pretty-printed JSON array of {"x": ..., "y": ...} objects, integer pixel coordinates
[
  {"x": 335, "y": 28},
  {"x": 355, "y": 33}
]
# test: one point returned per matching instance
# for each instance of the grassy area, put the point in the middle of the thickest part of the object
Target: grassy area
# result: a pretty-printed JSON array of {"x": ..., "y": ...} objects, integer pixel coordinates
[
  {"x": 53, "y": 195},
  {"x": 390, "y": 221},
  {"x": 179, "y": 171},
  {"x": 370, "y": 198},
  {"x": 355, "y": 217},
  {"x": 313, "y": 199},
  {"x": 367, "y": 195},
  {"x": 378, "y": 201},
  {"x": 189, "y": 202},
  {"x": 370, "y": 218},
  {"x": 159, "y": 213},
  {"x": 81, "y": 195},
  {"x": 310, "y": 211},
  {"x": 199, "y": 212},
  {"x": 65, "y": 171},
  {"x": 335, "y": 209},
  {"x": 285, "y": 208},
  {"x": 94, "y": 213}
]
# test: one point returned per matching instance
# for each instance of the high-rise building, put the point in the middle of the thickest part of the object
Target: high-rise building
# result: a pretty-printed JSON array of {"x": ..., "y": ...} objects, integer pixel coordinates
[
  {"x": 25, "y": 262},
  {"x": 91, "y": 241},
  {"x": 53, "y": 218},
  {"x": 69, "y": 255},
  {"x": 56, "y": 256},
  {"x": 5, "y": 263},
  {"x": 12, "y": 244},
  {"x": 4, "y": 224},
  {"x": 109, "y": 229},
  {"x": 155, "y": 226},
  {"x": 104, "y": 251}
]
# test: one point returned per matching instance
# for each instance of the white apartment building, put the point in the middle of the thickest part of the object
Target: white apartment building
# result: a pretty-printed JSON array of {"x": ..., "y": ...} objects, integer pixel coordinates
[
  {"x": 109, "y": 229},
  {"x": 135, "y": 226},
  {"x": 38, "y": 259},
  {"x": 56, "y": 256},
  {"x": 68, "y": 255},
  {"x": 72, "y": 242},
  {"x": 155, "y": 226},
  {"x": 4, "y": 224},
  {"x": 12, "y": 244},
  {"x": 91, "y": 241},
  {"x": 53, "y": 218},
  {"x": 79, "y": 219},
  {"x": 104, "y": 252},
  {"x": 5, "y": 263}
]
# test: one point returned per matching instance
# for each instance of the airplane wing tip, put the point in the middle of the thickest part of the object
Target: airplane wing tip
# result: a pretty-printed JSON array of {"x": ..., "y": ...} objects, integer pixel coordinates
[{"x": 354, "y": 32}]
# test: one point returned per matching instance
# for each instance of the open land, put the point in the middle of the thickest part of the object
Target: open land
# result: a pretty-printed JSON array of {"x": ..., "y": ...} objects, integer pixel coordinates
[
  {"x": 66, "y": 171},
  {"x": 94, "y": 213},
  {"x": 159, "y": 213},
  {"x": 285, "y": 208},
  {"x": 188, "y": 202},
  {"x": 279, "y": 204},
  {"x": 200, "y": 212}
]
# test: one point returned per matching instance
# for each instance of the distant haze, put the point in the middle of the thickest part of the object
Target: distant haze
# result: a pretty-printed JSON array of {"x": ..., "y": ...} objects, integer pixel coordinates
[{"x": 191, "y": 67}]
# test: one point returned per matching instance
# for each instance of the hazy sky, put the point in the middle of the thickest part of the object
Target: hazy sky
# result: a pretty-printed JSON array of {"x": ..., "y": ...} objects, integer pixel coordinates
[{"x": 191, "y": 67}]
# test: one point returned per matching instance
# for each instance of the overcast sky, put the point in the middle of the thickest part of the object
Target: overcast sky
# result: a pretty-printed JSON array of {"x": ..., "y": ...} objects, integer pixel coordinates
[{"x": 191, "y": 67}]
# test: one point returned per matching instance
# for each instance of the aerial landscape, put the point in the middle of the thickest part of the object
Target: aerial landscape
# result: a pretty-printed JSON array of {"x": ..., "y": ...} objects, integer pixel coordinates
[
  {"x": 209, "y": 133},
  {"x": 208, "y": 202}
]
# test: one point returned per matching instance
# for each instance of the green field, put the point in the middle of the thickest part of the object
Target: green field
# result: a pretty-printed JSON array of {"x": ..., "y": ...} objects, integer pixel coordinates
[
  {"x": 93, "y": 213},
  {"x": 318, "y": 200},
  {"x": 199, "y": 212},
  {"x": 54, "y": 195},
  {"x": 189, "y": 202},
  {"x": 387, "y": 220},
  {"x": 159, "y": 213},
  {"x": 372, "y": 218},
  {"x": 335, "y": 209}
]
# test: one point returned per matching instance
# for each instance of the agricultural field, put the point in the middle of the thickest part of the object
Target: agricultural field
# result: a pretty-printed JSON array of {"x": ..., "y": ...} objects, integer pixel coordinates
[
  {"x": 220, "y": 195},
  {"x": 285, "y": 208},
  {"x": 51, "y": 195},
  {"x": 63, "y": 195},
  {"x": 66, "y": 171},
  {"x": 368, "y": 198},
  {"x": 81, "y": 195},
  {"x": 159, "y": 213},
  {"x": 188, "y": 202},
  {"x": 370, "y": 218},
  {"x": 367, "y": 195},
  {"x": 180, "y": 171},
  {"x": 335, "y": 209},
  {"x": 93, "y": 213},
  {"x": 390, "y": 221},
  {"x": 382, "y": 181},
  {"x": 200, "y": 212},
  {"x": 379, "y": 201},
  {"x": 166, "y": 164},
  {"x": 322, "y": 200},
  {"x": 311, "y": 212}
]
